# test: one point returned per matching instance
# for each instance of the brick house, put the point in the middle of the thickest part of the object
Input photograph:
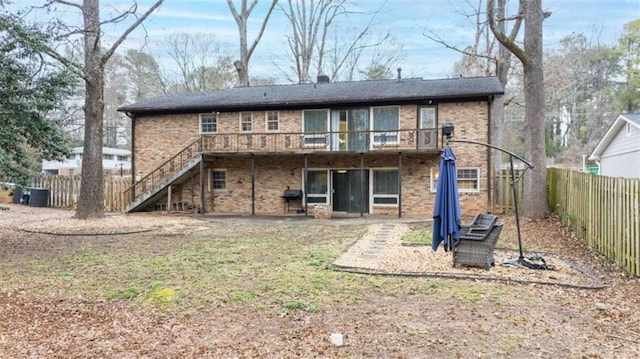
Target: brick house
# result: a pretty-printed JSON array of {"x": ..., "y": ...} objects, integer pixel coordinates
[{"x": 364, "y": 147}]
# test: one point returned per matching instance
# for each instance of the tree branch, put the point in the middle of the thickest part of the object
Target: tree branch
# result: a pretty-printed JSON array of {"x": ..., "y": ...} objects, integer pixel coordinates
[
  {"x": 124, "y": 35},
  {"x": 64, "y": 2},
  {"x": 434, "y": 37},
  {"x": 264, "y": 25},
  {"x": 501, "y": 37}
]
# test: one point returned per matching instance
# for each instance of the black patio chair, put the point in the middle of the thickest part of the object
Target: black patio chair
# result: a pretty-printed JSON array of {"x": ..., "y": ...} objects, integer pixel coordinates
[{"x": 477, "y": 242}]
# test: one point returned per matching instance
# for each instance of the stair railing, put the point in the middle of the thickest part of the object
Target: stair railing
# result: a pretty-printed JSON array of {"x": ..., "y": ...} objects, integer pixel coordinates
[{"x": 156, "y": 178}]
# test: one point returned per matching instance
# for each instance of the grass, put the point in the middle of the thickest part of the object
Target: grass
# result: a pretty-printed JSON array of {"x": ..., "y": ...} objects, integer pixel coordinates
[
  {"x": 282, "y": 270},
  {"x": 418, "y": 237}
]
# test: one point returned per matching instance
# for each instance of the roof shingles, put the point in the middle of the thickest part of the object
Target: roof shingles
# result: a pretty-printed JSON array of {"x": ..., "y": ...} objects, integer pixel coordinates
[{"x": 320, "y": 94}]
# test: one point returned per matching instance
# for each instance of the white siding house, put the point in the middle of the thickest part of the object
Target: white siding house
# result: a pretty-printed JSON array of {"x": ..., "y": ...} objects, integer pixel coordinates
[
  {"x": 618, "y": 153},
  {"x": 114, "y": 161}
]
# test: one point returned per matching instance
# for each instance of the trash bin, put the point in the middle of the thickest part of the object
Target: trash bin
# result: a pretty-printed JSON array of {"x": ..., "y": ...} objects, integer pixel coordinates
[
  {"x": 17, "y": 195},
  {"x": 38, "y": 197}
]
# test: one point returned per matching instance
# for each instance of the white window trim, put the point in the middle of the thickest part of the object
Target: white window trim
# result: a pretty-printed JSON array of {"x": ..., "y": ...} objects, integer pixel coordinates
[
  {"x": 395, "y": 134},
  {"x": 316, "y": 135},
  {"x": 266, "y": 121},
  {"x": 210, "y": 181},
  {"x": 460, "y": 190},
  {"x": 215, "y": 116},
  {"x": 373, "y": 196},
  {"x": 316, "y": 195},
  {"x": 240, "y": 121}
]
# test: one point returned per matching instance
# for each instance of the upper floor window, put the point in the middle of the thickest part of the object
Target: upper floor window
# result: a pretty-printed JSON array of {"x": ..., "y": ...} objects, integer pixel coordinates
[
  {"x": 246, "y": 121},
  {"x": 106, "y": 156},
  {"x": 273, "y": 121},
  {"x": 385, "y": 123},
  {"x": 315, "y": 121},
  {"x": 208, "y": 123},
  {"x": 427, "y": 117},
  {"x": 123, "y": 158},
  {"x": 468, "y": 179}
]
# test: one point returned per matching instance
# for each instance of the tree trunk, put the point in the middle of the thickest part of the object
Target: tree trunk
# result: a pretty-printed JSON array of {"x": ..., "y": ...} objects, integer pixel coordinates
[
  {"x": 535, "y": 188},
  {"x": 91, "y": 199}
]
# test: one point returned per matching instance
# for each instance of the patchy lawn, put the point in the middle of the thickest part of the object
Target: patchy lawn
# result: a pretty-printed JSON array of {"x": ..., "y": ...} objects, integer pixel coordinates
[{"x": 260, "y": 289}]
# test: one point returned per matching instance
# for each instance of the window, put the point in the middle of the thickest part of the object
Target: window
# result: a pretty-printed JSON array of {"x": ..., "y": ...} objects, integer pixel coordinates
[
  {"x": 468, "y": 179},
  {"x": 246, "y": 122},
  {"x": 385, "y": 187},
  {"x": 219, "y": 180},
  {"x": 385, "y": 125},
  {"x": 318, "y": 186},
  {"x": 315, "y": 126},
  {"x": 273, "y": 121},
  {"x": 208, "y": 123},
  {"x": 123, "y": 158},
  {"x": 107, "y": 156},
  {"x": 428, "y": 117}
]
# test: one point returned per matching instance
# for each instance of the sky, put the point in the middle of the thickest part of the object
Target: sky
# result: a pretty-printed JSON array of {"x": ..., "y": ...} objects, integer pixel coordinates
[{"x": 405, "y": 20}]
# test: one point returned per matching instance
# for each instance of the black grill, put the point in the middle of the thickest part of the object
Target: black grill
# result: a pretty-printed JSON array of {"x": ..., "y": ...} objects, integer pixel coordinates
[{"x": 292, "y": 195}]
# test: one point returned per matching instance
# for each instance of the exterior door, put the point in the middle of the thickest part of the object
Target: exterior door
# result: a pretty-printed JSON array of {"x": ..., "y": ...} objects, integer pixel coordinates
[
  {"x": 427, "y": 131},
  {"x": 350, "y": 130},
  {"x": 348, "y": 191}
]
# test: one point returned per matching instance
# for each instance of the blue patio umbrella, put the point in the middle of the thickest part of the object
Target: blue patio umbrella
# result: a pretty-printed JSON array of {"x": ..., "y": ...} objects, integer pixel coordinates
[{"x": 446, "y": 211}]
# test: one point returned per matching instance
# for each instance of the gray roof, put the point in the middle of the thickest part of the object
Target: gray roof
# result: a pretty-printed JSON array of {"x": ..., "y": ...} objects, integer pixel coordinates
[
  {"x": 320, "y": 94},
  {"x": 621, "y": 120}
]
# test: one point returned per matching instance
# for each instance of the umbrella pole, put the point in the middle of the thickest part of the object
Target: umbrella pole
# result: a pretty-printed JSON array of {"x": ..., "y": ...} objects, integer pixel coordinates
[{"x": 515, "y": 206}]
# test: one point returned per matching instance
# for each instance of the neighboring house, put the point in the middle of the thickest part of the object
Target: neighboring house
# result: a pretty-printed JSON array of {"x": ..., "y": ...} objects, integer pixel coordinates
[
  {"x": 366, "y": 147},
  {"x": 114, "y": 161},
  {"x": 618, "y": 153}
]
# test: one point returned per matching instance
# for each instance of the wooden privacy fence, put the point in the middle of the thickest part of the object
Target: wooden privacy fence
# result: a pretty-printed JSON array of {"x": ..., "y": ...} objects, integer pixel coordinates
[
  {"x": 64, "y": 191},
  {"x": 503, "y": 194},
  {"x": 602, "y": 210}
]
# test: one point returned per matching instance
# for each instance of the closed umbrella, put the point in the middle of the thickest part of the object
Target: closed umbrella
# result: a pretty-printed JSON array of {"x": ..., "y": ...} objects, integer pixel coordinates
[{"x": 446, "y": 211}]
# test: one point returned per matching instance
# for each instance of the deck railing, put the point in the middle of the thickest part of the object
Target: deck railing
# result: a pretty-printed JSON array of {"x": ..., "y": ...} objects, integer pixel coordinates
[{"x": 332, "y": 141}]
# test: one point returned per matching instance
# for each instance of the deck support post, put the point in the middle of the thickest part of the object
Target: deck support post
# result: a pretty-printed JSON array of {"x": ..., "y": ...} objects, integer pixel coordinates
[
  {"x": 202, "y": 184},
  {"x": 399, "y": 184},
  {"x": 253, "y": 184}
]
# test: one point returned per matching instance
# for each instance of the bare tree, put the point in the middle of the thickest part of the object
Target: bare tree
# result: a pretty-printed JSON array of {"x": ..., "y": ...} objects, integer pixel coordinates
[
  {"x": 242, "y": 17},
  {"x": 202, "y": 63},
  {"x": 91, "y": 199},
  {"x": 530, "y": 56},
  {"x": 317, "y": 40}
]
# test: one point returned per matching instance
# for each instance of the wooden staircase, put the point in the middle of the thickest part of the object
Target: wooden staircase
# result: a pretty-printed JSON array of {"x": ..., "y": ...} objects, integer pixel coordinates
[{"x": 154, "y": 186}]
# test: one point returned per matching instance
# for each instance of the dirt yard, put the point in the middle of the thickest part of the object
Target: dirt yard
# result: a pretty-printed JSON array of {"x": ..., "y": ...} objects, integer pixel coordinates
[{"x": 178, "y": 286}]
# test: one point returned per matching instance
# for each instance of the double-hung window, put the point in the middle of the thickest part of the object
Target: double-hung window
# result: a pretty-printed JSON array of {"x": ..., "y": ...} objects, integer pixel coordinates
[
  {"x": 385, "y": 125},
  {"x": 468, "y": 179},
  {"x": 208, "y": 123},
  {"x": 218, "y": 180},
  {"x": 317, "y": 186},
  {"x": 273, "y": 121},
  {"x": 315, "y": 127},
  {"x": 246, "y": 122},
  {"x": 385, "y": 187}
]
